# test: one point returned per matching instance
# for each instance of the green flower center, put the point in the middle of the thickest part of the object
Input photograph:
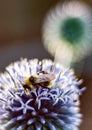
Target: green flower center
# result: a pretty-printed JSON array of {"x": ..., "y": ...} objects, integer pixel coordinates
[{"x": 72, "y": 30}]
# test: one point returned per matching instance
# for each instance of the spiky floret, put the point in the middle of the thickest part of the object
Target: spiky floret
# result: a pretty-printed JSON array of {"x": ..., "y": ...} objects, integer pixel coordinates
[
  {"x": 67, "y": 31},
  {"x": 42, "y": 108}
]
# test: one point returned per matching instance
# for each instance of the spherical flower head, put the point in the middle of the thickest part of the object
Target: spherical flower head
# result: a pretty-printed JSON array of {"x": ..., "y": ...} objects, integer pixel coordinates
[
  {"x": 39, "y": 95},
  {"x": 67, "y": 31}
]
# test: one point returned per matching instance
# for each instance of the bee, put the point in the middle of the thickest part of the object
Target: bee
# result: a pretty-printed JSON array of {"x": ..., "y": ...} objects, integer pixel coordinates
[{"x": 42, "y": 79}]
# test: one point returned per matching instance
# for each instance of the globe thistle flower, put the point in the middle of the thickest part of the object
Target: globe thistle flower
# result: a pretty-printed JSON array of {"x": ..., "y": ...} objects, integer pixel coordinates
[
  {"x": 39, "y": 95},
  {"x": 67, "y": 32}
]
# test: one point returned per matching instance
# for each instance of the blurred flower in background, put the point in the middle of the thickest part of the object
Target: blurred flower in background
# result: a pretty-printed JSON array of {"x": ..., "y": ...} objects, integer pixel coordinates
[
  {"x": 39, "y": 104},
  {"x": 67, "y": 32}
]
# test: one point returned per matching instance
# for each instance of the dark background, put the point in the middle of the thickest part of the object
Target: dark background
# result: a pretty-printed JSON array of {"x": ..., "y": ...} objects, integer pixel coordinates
[{"x": 20, "y": 36}]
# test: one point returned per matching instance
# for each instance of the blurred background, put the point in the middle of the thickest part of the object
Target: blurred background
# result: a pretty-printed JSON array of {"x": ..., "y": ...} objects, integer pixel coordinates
[{"x": 20, "y": 36}]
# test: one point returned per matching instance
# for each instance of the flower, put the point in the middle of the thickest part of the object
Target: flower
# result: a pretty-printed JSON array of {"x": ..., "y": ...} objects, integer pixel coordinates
[
  {"x": 67, "y": 32},
  {"x": 43, "y": 103}
]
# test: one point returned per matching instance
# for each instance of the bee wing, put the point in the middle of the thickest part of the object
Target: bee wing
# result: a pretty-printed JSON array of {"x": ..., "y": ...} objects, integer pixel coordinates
[{"x": 45, "y": 78}]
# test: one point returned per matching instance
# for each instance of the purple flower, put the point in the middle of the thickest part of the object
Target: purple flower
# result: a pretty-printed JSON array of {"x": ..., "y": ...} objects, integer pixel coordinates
[{"x": 32, "y": 99}]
